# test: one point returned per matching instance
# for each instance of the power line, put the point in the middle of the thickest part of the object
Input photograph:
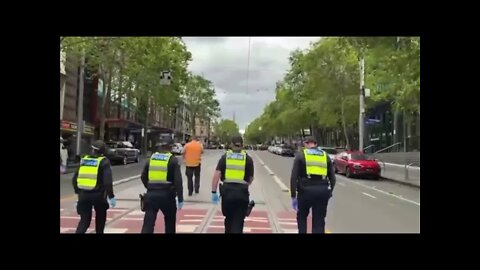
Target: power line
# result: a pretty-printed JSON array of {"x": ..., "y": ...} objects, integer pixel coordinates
[{"x": 248, "y": 60}]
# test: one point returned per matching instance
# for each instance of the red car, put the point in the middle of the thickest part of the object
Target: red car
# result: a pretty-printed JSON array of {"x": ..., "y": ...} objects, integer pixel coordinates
[{"x": 353, "y": 163}]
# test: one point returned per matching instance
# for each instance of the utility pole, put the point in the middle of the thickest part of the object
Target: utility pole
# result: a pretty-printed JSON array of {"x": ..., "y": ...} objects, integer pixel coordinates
[
  {"x": 361, "y": 124},
  {"x": 80, "y": 104},
  {"x": 145, "y": 128}
]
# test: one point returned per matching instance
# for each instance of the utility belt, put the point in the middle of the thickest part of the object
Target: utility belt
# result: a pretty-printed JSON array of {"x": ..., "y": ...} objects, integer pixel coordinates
[
  {"x": 94, "y": 191},
  {"x": 238, "y": 186},
  {"x": 315, "y": 180},
  {"x": 160, "y": 187}
]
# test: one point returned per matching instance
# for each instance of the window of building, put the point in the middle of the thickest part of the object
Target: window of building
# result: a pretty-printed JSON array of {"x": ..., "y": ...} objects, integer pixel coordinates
[{"x": 201, "y": 132}]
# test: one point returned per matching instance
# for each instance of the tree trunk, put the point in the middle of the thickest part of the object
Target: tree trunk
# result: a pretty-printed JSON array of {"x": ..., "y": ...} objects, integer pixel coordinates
[
  {"x": 194, "y": 115},
  {"x": 345, "y": 132},
  {"x": 106, "y": 96}
]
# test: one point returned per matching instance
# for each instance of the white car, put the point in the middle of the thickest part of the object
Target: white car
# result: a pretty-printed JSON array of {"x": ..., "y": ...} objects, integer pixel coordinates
[
  {"x": 177, "y": 149},
  {"x": 332, "y": 152}
]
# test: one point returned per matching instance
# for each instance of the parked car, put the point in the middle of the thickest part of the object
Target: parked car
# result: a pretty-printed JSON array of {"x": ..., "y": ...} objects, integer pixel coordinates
[
  {"x": 286, "y": 150},
  {"x": 354, "y": 163},
  {"x": 122, "y": 152},
  {"x": 331, "y": 151},
  {"x": 177, "y": 149}
]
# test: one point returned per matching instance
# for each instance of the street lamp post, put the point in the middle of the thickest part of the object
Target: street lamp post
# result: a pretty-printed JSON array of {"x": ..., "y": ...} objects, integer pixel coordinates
[{"x": 362, "y": 104}]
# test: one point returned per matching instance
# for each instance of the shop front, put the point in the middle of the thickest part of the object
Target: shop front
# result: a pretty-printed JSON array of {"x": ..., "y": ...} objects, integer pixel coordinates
[{"x": 68, "y": 131}]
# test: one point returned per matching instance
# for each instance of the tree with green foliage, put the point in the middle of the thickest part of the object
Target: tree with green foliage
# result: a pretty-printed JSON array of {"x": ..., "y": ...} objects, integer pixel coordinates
[
  {"x": 199, "y": 96},
  {"x": 226, "y": 129}
]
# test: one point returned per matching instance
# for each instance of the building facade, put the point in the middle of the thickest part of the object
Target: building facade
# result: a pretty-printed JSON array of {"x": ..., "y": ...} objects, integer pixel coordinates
[{"x": 69, "y": 83}]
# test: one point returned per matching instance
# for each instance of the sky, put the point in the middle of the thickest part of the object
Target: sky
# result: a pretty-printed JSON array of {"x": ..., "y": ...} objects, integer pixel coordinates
[{"x": 224, "y": 61}]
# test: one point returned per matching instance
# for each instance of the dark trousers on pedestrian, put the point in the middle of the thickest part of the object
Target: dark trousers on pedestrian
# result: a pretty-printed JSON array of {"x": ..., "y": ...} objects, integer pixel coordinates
[
  {"x": 86, "y": 201},
  {"x": 315, "y": 197},
  {"x": 163, "y": 200},
  {"x": 190, "y": 172},
  {"x": 235, "y": 199}
]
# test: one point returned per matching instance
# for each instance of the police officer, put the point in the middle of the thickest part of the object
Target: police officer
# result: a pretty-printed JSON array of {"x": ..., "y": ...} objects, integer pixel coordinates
[
  {"x": 163, "y": 180},
  {"x": 235, "y": 170},
  {"x": 314, "y": 178},
  {"x": 93, "y": 183}
]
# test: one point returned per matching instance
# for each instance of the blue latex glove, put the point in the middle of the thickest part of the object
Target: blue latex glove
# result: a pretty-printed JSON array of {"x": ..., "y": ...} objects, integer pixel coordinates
[
  {"x": 180, "y": 205},
  {"x": 215, "y": 198},
  {"x": 112, "y": 202},
  {"x": 295, "y": 204}
]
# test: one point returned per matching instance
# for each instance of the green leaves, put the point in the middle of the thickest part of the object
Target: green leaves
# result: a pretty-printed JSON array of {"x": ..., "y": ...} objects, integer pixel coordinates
[
  {"x": 225, "y": 129},
  {"x": 322, "y": 85}
]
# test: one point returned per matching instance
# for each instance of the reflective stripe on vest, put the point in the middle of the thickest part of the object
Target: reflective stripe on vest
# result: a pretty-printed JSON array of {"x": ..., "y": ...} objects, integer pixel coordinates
[
  {"x": 235, "y": 167},
  {"x": 316, "y": 162},
  {"x": 158, "y": 167},
  {"x": 88, "y": 173}
]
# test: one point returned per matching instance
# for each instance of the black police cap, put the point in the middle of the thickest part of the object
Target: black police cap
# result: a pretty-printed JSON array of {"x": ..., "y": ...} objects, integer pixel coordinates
[
  {"x": 98, "y": 145},
  {"x": 237, "y": 140},
  {"x": 165, "y": 141},
  {"x": 310, "y": 139}
]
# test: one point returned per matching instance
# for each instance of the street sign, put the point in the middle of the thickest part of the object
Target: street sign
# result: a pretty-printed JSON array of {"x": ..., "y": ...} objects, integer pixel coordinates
[
  {"x": 367, "y": 92},
  {"x": 165, "y": 78}
]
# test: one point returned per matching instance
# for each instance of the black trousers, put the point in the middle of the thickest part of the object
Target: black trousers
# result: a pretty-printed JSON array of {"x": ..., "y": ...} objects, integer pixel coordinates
[
  {"x": 86, "y": 201},
  {"x": 190, "y": 172},
  {"x": 163, "y": 200},
  {"x": 315, "y": 197},
  {"x": 235, "y": 198}
]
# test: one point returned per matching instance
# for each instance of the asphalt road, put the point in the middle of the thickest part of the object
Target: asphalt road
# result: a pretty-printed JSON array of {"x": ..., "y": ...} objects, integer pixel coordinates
[
  {"x": 357, "y": 206},
  {"x": 360, "y": 205}
]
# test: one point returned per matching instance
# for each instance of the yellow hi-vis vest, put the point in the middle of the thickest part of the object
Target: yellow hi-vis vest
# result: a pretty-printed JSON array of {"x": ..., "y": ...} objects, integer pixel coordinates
[
  {"x": 88, "y": 172},
  {"x": 157, "y": 171},
  {"x": 235, "y": 167},
  {"x": 316, "y": 162}
]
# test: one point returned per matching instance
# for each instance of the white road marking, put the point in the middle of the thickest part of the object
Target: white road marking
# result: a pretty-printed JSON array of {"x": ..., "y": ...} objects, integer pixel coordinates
[
  {"x": 283, "y": 187},
  {"x": 384, "y": 192},
  {"x": 286, "y": 219},
  {"x": 287, "y": 223},
  {"x": 277, "y": 180},
  {"x": 186, "y": 228},
  {"x": 341, "y": 184},
  {"x": 290, "y": 231},
  {"x": 115, "y": 210},
  {"x": 249, "y": 229},
  {"x": 115, "y": 230},
  {"x": 62, "y": 230},
  {"x": 268, "y": 170},
  {"x": 256, "y": 220},
  {"x": 191, "y": 220},
  {"x": 131, "y": 218},
  {"x": 371, "y": 196},
  {"x": 216, "y": 226},
  {"x": 135, "y": 213},
  {"x": 125, "y": 180},
  {"x": 188, "y": 215}
]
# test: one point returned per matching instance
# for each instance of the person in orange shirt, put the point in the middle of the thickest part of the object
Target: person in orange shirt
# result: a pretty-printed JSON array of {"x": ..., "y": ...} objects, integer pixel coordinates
[{"x": 192, "y": 154}]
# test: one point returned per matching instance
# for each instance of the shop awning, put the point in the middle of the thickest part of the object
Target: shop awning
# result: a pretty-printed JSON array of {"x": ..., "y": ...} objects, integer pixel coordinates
[
  {"x": 68, "y": 126},
  {"x": 123, "y": 123}
]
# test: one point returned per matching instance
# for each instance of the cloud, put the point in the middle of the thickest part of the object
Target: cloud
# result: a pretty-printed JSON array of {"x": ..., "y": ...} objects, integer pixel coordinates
[{"x": 224, "y": 61}]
